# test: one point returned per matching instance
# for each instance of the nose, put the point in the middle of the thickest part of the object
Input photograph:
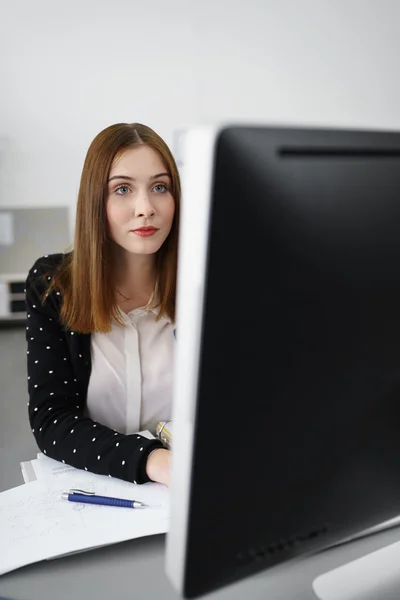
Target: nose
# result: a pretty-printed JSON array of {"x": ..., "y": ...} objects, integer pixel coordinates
[{"x": 143, "y": 206}]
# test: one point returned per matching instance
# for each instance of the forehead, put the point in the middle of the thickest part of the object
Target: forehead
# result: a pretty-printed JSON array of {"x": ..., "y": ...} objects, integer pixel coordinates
[{"x": 139, "y": 162}]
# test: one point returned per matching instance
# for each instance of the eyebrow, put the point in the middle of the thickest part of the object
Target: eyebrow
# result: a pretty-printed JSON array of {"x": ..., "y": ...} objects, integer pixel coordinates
[{"x": 125, "y": 177}]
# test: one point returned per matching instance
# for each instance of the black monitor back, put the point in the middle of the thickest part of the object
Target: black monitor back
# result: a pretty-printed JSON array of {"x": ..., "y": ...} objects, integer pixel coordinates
[{"x": 297, "y": 439}]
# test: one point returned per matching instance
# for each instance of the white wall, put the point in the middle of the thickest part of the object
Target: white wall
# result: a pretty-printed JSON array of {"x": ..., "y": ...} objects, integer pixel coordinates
[
  {"x": 333, "y": 62},
  {"x": 68, "y": 69}
]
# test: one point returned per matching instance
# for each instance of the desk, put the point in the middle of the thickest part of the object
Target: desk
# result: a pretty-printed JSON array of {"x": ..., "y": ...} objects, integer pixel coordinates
[{"x": 135, "y": 569}]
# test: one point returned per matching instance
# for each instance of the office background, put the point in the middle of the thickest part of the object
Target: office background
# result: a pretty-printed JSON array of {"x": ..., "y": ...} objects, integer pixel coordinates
[{"x": 69, "y": 69}]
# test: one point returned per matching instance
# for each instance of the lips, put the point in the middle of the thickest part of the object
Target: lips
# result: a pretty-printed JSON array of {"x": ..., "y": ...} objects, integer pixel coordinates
[{"x": 145, "y": 229}]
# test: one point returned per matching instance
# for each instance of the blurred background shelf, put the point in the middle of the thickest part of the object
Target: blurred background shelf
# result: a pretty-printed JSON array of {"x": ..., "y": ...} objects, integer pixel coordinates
[{"x": 25, "y": 235}]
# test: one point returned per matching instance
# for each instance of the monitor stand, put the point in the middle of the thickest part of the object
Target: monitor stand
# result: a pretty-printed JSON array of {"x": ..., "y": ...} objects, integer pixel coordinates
[{"x": 371, "y": 577}]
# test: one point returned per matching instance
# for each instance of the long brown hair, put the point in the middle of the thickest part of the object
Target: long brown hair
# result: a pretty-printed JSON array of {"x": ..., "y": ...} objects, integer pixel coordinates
[{"x": 85, "y": 277}]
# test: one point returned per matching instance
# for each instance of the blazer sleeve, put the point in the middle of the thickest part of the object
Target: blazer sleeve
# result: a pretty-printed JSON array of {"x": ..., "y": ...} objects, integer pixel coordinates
[{"x": 56, "y": 408}]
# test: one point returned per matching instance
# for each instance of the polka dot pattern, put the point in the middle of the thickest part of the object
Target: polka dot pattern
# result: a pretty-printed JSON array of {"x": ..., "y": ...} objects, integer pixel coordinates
[{"x": 59, "y": 364}]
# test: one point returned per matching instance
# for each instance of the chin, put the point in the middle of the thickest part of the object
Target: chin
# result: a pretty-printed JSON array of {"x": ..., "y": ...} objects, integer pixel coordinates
[{"x": 143, "y": 247}]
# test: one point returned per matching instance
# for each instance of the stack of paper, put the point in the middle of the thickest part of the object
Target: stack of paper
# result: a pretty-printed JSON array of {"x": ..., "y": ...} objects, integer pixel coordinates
[
  {"x": 43, "y": 468},
  {"x": 37, "y": 524}
]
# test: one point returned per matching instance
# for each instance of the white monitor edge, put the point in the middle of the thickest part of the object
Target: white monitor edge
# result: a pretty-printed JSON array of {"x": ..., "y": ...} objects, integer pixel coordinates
[{"x": 197, "y": 182}]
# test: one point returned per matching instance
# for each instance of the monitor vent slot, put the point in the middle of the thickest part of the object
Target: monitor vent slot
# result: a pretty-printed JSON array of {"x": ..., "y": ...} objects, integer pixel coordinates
[
  {"x": 270, "y": 550},
  {"x": 310, "y": 152}
]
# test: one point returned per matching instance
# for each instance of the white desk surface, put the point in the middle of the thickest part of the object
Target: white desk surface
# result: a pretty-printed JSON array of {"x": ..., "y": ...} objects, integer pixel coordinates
[{"x": 136, "y": 569}]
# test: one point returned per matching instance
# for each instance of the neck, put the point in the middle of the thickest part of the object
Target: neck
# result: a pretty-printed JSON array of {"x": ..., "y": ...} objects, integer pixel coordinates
[{"x": 135, "y": 275}]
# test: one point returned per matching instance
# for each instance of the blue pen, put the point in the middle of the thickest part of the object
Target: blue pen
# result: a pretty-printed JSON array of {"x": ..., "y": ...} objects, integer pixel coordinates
[{"x": 91, "y": 498}]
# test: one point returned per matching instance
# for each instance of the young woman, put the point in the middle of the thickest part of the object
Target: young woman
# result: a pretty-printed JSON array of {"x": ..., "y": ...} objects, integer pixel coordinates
[{"x": 101, "y": 318}]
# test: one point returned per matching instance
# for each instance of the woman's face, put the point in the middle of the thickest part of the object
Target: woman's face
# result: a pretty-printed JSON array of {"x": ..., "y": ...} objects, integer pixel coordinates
[{"x": 139, "y": 196}]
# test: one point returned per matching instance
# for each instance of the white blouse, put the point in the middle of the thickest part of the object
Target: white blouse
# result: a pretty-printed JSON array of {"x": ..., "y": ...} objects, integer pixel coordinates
[{"x": 130, "y": 386}]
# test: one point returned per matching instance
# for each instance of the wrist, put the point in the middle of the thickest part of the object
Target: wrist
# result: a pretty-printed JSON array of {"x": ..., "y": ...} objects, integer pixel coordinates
[{"x": 158, "y": 465}]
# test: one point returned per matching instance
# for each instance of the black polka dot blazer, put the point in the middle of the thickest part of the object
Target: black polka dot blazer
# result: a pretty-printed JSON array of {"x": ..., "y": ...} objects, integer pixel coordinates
[{"x": 59, "y": 365}]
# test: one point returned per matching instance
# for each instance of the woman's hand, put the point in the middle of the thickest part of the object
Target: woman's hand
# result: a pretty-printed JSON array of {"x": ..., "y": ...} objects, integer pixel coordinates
[{"x": 158, "y": 466}]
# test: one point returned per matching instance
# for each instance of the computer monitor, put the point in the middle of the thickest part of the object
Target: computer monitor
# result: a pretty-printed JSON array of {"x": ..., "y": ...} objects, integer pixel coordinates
[{"x": 287, "y": 381}]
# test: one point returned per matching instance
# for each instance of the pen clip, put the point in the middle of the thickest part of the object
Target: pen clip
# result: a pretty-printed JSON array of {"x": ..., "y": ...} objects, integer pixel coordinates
[{"x": 81, "y": 492}]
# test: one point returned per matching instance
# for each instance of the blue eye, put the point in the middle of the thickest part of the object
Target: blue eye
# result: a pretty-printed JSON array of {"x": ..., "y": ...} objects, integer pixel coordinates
[
  {"x": 162, "y": 190},
  {"x": 122, "y": 190}
]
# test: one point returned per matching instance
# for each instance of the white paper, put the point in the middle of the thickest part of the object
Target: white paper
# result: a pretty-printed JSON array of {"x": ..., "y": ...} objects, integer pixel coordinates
[
  {"x": 6, "y": 229},
  {"x": 49, "y": 470},
  {"x": 36, "y": 524},
  {"x": 28, "y": 472}
]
